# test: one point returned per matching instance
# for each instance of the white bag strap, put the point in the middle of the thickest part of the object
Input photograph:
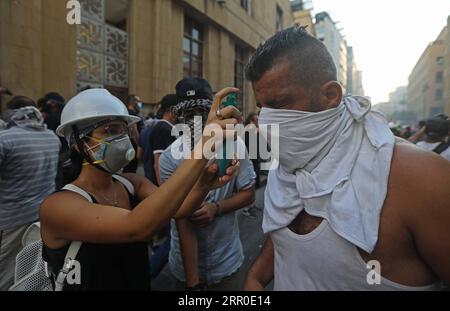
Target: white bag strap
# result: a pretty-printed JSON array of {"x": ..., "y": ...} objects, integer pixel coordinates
[
  {"x": 68, "y": 262},
  {"x": 78, "y": 190},
  {"x": 74, "y": 246},
  {"x": 32, "y": 234},
  {"x": 126, "y": 183}
]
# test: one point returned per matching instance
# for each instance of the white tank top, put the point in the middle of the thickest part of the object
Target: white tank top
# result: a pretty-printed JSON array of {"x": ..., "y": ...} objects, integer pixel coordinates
[{"x": 322, "y": 260}]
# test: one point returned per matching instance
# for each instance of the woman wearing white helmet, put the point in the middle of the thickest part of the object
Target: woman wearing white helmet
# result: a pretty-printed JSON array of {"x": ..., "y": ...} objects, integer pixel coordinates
[{"x": 114, "y": 228}]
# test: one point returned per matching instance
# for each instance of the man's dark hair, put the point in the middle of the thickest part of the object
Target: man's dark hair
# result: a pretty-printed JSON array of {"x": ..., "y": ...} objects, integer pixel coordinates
[
  {"x": 311, "y": 63},
  {"x": 167, "y": 102},
  {"x": 130, "y": 98},
  {"x": 437, "y": 127},
  {"x": 18, "y": 102},
  {"x": 55, "y": 96},
  {"x": 41, "y": 103}
]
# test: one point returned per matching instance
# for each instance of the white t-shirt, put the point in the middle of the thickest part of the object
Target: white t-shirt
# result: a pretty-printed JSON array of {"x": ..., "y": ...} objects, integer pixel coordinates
[{"x": 431, "y": 146}]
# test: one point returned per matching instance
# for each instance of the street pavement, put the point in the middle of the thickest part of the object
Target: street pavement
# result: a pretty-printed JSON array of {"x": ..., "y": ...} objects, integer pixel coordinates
[{"x": 252, "y": 238}]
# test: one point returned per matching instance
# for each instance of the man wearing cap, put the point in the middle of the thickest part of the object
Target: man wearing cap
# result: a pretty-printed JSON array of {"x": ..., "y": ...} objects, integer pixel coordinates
[
  {"x": 206, "y": 251},
  {"x": 134, "y": 107}
]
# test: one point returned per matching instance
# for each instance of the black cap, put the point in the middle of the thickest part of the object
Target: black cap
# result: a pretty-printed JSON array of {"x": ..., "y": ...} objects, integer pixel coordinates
[{"x": 193, "y": 88}]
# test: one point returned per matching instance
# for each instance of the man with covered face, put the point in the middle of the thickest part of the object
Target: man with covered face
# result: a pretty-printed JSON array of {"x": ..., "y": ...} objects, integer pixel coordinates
[
  {"x": 206, "y": 250},
  {"x": 350, "y": 207}
]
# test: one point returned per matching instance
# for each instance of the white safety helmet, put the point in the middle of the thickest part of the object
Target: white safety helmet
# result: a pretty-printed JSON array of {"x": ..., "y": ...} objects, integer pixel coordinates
[{"x": 90, "y": 107}]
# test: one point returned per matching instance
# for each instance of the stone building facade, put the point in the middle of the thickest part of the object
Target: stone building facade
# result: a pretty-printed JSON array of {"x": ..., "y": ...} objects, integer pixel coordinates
[{"x": 133, "y": 46}]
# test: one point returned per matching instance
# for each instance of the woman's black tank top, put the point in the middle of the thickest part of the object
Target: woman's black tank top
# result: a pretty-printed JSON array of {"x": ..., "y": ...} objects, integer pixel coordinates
[{"x": 106, "y": 267}]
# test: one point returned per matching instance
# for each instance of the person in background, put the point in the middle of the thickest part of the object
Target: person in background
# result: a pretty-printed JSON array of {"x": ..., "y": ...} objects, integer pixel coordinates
[
  {"x": 134, "y": 106},
  {"x": 28, "y": 167},
  {"x": 206, "y": 250},
  {"x": 4, "y": 91},
  {"x": 53, "y": 104},
  {"x": 154, "y": 139},
  {"x": 419, "y": 135},
  {"x": 150, "y": 116},
  {"x": 436, "y": 136}
]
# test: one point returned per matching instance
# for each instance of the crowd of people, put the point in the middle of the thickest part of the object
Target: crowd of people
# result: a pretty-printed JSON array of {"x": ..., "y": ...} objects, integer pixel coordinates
[
  {"x": 84, "y": 143},
  {"x": 346, "y": 191}
]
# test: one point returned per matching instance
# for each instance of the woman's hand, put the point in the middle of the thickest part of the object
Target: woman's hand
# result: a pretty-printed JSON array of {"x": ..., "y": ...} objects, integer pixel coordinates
[
  {"x": 209, "y": 180},
  {"x": 223, "y": 117}
]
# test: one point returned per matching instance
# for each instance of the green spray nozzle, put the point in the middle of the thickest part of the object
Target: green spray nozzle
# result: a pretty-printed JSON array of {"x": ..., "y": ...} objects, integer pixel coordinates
[
  {"x": 231, "y": 100},
  {"x": 226, "y": 160}
]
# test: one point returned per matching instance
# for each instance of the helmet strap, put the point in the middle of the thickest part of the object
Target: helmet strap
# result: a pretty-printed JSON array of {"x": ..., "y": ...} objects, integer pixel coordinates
[{"x": 83, "y": 153}]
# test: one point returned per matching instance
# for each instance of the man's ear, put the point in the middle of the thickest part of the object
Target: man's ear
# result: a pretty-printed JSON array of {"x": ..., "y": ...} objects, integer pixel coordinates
[{"x": 330, "y": 95}]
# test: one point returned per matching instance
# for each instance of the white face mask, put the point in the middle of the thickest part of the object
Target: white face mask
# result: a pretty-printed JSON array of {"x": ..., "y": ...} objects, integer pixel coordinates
[
  {"x": 304, "y": 137},
  {"x": 114, "y": 153}
]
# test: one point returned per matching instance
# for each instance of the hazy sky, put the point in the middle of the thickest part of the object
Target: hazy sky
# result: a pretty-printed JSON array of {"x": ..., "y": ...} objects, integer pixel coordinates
[{"x": 388, "y": 36}]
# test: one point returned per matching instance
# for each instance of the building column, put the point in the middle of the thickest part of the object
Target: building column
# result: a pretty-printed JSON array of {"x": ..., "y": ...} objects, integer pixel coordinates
[{"x": 21, "y": 46}]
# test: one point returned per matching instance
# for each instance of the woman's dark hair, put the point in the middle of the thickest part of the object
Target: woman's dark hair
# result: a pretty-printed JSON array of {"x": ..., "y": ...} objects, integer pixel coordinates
[{"x": 72, "y": 168}]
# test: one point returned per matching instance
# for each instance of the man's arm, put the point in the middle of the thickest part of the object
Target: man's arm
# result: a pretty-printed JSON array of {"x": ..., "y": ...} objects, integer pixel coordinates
[
  {"x": 189, "y": 251},
  {"x": 208, "y": 211},
  {"x": 423, "y": 182},
  {"x": 135, "y": 134},
  {"x": 417, "y": 136},
  {"x": 139, "y": 153},
  {"x": 243, "y": 198},
  {"x": 188, "y": 238},
  {"x": 161, "y": 139},
  {"x": 429, "y": 223},
  {"x": 156, "y": 157},
  {"x": 262, "y": 271}
]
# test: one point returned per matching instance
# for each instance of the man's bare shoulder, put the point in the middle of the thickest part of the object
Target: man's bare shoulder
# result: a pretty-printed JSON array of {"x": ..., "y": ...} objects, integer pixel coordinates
[
  {"x": 411, "y": 159},
  {"x": 418, "y": 175}
]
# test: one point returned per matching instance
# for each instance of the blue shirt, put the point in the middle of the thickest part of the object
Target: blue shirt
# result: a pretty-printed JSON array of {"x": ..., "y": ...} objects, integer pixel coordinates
[
  {"x": 28, "y": 166},
  {"x": 220, "y": 251},
  {"x": 154, "y": 139}
]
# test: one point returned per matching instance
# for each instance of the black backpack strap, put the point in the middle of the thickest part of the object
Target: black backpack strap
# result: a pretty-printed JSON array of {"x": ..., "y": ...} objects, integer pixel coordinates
[{"x": 441, "y": 147}]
